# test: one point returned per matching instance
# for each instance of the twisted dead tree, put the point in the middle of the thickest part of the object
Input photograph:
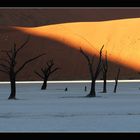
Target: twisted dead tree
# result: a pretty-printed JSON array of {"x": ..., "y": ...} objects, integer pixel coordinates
[
  {"x": 93, "y": 75},
  {"x": 46, "y": 72},
  {"x": 104, "y": 71},
  {"x": 9, "y": 65},
  {"x": 116, "y": 80}
]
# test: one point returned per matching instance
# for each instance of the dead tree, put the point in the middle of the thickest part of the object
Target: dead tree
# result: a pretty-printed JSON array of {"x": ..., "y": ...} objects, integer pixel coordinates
[
  {"x": 104, "y": 70},
  {"x": 116, "y": 80},
  {"x": 9, "y": 65},
  {"x": 46, "y": 72},
  {"x": 93, "y": 75}
]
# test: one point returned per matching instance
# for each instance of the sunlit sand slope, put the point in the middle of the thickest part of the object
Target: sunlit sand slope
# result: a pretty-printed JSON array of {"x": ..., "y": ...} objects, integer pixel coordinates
[{"x": 121, "y": 38}]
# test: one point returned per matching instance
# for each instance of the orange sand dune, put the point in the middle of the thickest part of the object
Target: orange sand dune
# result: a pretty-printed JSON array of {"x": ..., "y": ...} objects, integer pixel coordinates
[{"x": 120, "y": 37}]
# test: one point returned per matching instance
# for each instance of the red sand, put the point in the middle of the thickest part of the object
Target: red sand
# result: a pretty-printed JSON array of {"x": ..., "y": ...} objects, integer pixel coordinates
[{"x": 121, "y": 38}]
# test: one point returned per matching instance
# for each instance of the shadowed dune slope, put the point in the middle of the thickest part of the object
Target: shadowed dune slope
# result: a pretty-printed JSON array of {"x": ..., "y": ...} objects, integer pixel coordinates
[
  {"x": 121, "y": 38},
  {"x": 61, "y": 42}
]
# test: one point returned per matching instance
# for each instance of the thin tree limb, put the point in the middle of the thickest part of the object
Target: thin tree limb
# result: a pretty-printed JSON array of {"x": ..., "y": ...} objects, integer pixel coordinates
[
  {"x": 9, "y": 55},
  {"x": 54, "y": 70},
  {"x": 92, "y": 60},
  {"x": 99, "y": 63},
  {"x": 4, "y": 71},
  {"x": 105, "y": 64},
  {"x": 28, "y": 61},
  {"x": 86, "y": 56},
  {"x": 23, "y": 45},
  {"x": 38, "y": 74},
  {"x": 43, "y": 71},
  {"x": 5, "y": 60},
  {"x": 4, "y": 66}
]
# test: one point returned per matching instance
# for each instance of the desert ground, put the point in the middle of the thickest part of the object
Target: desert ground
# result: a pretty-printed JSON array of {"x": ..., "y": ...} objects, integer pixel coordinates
[{"x": 56, "y": 110}]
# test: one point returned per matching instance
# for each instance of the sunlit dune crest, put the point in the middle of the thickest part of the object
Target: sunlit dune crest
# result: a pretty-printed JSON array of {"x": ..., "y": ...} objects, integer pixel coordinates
[{"x": 121, "y": 38}]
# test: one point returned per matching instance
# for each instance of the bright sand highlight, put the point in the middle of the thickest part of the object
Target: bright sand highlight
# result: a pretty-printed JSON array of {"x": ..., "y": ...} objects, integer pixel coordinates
[{"x": 121, "y": 38}]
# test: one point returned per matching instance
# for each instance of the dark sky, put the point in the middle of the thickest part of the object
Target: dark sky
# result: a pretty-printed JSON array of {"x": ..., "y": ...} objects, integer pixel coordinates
[{"x": 44, "y": 16}]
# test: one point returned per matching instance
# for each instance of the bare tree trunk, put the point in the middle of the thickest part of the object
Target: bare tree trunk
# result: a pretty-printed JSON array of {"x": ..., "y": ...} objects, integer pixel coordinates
[
  {"x": 115, "y": 87},
  {"x": 116, "y": 81},
  {"x": 44, "y": 85},
  {"x": 105, "y": 70},
  {"x": 13, "y": 88},
  {"x": 104, "y": 84},
  {"x": 92, "y": 90}
]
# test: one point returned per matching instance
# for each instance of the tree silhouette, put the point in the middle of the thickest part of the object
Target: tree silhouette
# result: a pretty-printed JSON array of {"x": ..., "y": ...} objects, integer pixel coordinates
[
  {"x": 9, "y": 65},
  {"x": 93, "y": 75},
  {"x": 104, "y": 70},
  {"x": 46, "y": 72},
  {"x": 116, "y": 80}
]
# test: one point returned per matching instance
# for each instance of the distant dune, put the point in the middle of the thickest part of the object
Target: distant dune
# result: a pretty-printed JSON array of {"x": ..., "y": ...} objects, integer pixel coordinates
[
  {"x": 61, "y": 42},
  {"x": 121, "y": 38}
]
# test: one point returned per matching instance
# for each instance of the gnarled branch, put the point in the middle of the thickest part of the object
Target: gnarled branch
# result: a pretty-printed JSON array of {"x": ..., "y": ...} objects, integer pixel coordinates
[
  {"x": 5, "y": 66},
  {"x": 54, "y": 70},
  {"x": 86, "y": 56},
  {"x": 99, "y": 63},
  {"x": 38, "y": 74},
  {"x": 28, "y": 61},
  {"x": 5, "y": 60},
  {"x": 23, "y": 45},
  {"x": 4, "y": 71}
]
